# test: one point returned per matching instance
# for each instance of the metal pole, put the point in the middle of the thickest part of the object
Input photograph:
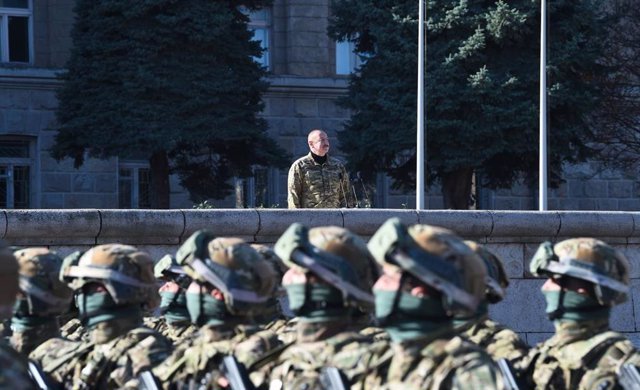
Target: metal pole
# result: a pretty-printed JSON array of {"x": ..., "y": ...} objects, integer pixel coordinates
[
  {"x": 420, "y": 204},
  {"x": 542, "y": 190}
]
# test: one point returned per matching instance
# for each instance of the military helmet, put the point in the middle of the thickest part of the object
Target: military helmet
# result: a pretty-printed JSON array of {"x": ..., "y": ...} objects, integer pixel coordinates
[
  {"x": 45, "y": 294},
  {"x": 232, "y": 266},
  {"x": 497, "y": 280},
  {"x": 333, "y": 254},
  {"x": 271, "y": 257},
  {"x": 125, "y": 271},
  {"x": 435, "y": 256},
  {"x": 8, "y": 281},
  {"x": 587, "y": 259}
]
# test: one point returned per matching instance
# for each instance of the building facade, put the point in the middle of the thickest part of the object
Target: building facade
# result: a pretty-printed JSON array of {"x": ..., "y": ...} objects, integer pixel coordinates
[{"x": 308, "y": 72}]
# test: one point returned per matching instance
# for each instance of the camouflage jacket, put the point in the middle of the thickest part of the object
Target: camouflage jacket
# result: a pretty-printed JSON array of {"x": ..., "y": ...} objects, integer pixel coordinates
[
  {"x": 26, "y": 341},
  {"x": 578, "y": 356},
  {"x": 196, "y": 361},
  {"x": 73, "y": 330},
  {"x": 176, "y": 332},
  {"x": 13, "y": 369},
  {"x": 313, "y": 185},
  {"x": 110, "y": 365},
  {"x": 300, "y": 364},
  {"x": 499, "y": 341}
]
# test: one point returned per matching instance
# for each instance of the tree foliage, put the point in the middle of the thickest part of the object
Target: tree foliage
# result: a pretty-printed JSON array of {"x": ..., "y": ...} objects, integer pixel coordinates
[
  {"x": 167, "y": 78},
  {"x": 481, "y": 88}
]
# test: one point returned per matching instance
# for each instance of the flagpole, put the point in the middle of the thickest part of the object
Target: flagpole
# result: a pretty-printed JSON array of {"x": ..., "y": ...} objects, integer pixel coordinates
[
  {"x": 542, "y": 190},
  {"x": 420, "y": 139}
]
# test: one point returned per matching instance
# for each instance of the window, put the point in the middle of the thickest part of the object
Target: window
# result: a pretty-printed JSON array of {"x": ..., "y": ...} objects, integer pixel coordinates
[
  {"x": 346, "y": 60},
  {"x": 15, "y": 31},
  {"x": 15, "y": 173},
  {"x": 260, "y": 23},
  {"x": 133, "y": 186}
]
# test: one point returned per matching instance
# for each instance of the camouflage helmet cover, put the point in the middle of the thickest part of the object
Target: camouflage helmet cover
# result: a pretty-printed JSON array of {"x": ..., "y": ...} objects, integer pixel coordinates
[
  {"x": 497, "y": 280},
  {"x": 46, "y": 295},
  {"x": 124, "y": 271},
  {"x": 587, "y": 259},
  {"x": 232, "y": 266},
  {"x": 435, "y": 256}
]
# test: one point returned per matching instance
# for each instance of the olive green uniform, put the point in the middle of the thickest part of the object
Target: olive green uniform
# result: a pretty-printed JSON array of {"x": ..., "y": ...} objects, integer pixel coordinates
[{"x": 313, "y": 185}]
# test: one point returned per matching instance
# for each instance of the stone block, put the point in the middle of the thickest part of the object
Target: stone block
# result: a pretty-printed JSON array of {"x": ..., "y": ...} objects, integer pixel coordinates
[
  {"x": 632, "y": 253},
  {"x": 308, "y": 55},
  {"x": 535, "y": 338},
  {"x": 329, "y": 108},
  {"x": 529, "y": 224},
  {"x": 222, "y": 222},
  {"x": 49, "y": 227},
  {"x": 97, "y": 165},
  {"x": 287, "y": 126},
  {"x": 14, "y": 98},
  {"x": 507, "y": 203},
  {"x": 313, "y": 11},
  {"x": 281, "y": 107},
  {"x": 91, "y": 200},
  {"x": 306, "y": 107},
  {"x": 44, "y": 100},
  {"x": 512, "y": 256},
  {"x": 308, "y": 69},
  {"x": 273, "y": 222},
  {"x": 620, "y": 188},
  {"x": 56, "y": 182},
  {"x": 365, "y": 222},
  {"x": 106, "y": 183},
  {"x": 622, "y": 319},
  {"x": 560, "y": 192},
  {"x": 576, "y": 188},
  {"x": 52, "y": 201},
  {"x": 468, "y": 224},
  {"x": 595, "y": 224},
  {"x": 635, "y": 301},
  {"x": 158, "y": 251},
  {"x": 49, "y": 164},
  {"x": 607, "y": 204},
  {"x": 141, "y": 226},
  {"x": 83, "y": 182},
  {"x": 596, "y": 189},
  {"x": 523, "y": 309},
  {"x": 629, "y": 204},
  {"x": 16, "y": 121},
  {"x": 586, "y": 204}
]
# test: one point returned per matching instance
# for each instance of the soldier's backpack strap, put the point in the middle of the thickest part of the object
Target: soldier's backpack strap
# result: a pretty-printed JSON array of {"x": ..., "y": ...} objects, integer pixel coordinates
[
  {"x": 59, "y": 362},
  {"x": 578, "y": 355}
]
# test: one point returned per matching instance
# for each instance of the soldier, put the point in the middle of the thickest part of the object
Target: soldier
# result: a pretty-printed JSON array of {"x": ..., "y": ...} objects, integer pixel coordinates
[
  {"x": 500, "y": 342},
  {"x": 13, "y": 366},
  {"x": 41, "y": 299},
  {"x": 428, "y": 276},
  {"x": 328, "y": 282},
  {"x": 318, "y": 180},
  {"x": 174, "y": 321},
  {"x": 586, "y": 278},
  {"x": 114, "y": 284},
  {"x": 231, "y": 284}
]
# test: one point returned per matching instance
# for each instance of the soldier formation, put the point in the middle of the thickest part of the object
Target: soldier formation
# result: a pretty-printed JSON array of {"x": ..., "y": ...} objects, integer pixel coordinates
[{"x": 322, "y": 309}]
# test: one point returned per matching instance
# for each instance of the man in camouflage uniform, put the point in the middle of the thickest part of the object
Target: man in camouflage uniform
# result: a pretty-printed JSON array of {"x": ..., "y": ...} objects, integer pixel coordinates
[
  {"x": 13, "y": 366},
  {"x": 41, "y": 299},
  {"x": 499, "y": 341},
  {"x": 174, "y": 321},
  {"x": 428, "y": 276},
  {"x": 331, "y": 273},
  {"x": 318, "y": 180},
  {"x": 114, "y": 284},
  {"x": 586, "y": 278},
  {"x": 231, "y": 284}
]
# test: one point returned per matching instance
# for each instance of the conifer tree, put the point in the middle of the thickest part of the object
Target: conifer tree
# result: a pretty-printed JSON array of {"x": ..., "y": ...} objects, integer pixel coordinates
[{"x": 173, "y": 82}]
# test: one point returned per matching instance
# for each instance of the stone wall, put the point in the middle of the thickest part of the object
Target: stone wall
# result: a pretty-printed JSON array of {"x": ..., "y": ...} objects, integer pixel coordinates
[{"x": 514, "y": 236}]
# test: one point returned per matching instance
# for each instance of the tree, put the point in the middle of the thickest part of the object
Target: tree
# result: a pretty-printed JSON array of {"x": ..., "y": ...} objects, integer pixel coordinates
[
  {"x": 161, "y": 79},
  {"x": 481, "y": 89}
]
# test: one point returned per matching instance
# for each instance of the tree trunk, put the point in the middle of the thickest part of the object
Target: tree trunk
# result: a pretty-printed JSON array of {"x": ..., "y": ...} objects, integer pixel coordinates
[
  {"x": 456, "y": 189},
  {"x": 159, "y": 180}
]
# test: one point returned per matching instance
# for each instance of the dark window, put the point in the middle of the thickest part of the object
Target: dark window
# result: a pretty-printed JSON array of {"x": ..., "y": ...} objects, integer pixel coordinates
[
  {"x": 14, "y": 149},
  {"x": 18, "y": 39},
  {"x": 144, "y": 202},
  {"x": 21, "y": 187},
  {"x": 125, "y": 189},
  {"x": 14, "y": 3}
]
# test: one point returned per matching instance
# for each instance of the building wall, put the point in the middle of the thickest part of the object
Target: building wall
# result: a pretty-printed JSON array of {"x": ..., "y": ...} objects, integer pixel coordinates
[{"x": 302, "y": 96}]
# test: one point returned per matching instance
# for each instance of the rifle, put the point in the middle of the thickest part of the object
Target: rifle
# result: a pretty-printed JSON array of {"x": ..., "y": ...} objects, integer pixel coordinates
[
  {"x": 236, "y": 374},
  {"x": 148, "y": 381},
  {"x": 40, "y": 378},
  {"x": 509, "y": 380},
  {"x": 331, "y": 378},
  {"x": 629, "y": 377}
]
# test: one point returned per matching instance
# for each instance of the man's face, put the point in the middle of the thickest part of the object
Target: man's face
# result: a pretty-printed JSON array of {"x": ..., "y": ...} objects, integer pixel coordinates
[{"x": 319, "y": 143}]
